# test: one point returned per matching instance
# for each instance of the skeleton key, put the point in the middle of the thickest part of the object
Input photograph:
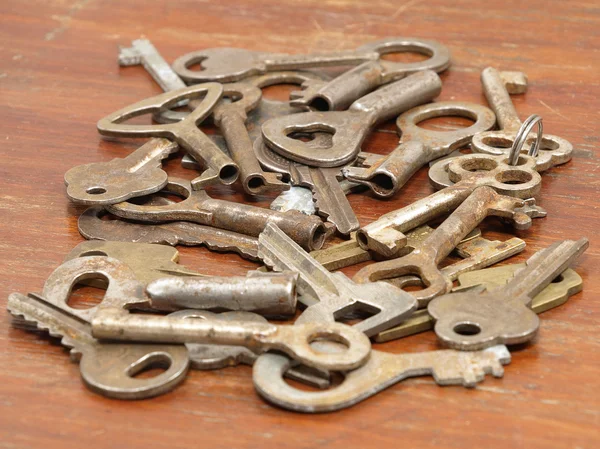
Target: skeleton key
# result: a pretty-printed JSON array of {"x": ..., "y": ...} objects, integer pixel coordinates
[
  {"x": 340, "y": 92},
  {"x": 348, "y": 128},
  {"x": 198, "y": 207},
  {"x": 108, "y": 369},
  {"x": 385, "y": 235},
  {"x": 471, "y": 320},
  {"x": 336, "y": 293},
  {"x": 448, "y": 367},
  {"x": 423, "y": 262},
  {"x": 418, "y": 145},
  {"x": 553, "y": 150},
  {"x": 138, "y": 174},
  {"x": 186, "y": 133},
  {"x": 209, "y": 357},
  {"x": 92, "y": 226}
]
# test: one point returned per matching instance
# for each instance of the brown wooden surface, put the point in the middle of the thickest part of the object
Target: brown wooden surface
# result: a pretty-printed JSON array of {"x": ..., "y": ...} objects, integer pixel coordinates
[{"x": 59, "y": 75}]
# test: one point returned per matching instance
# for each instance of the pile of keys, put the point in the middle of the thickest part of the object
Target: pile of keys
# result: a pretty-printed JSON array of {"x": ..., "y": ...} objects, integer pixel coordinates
[{"x": 156, "y": 312}]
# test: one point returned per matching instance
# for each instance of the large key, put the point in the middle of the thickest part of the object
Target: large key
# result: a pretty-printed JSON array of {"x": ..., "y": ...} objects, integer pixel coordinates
[
  {"x": 198, "y": 207},
  {"x": 552, "y": 151},
  {"x": 555, "y": 294},
  {"x": 385, "y": 235},
  {"x": 471, "y": 320},
  {"x": 336, "y": 294},
  {"x": 340, "y": 92},
  {"x": 233, "y": 64},
  {"x": 93, "y": 227},
  {"x": 424, "y": 261},
  {"x": 349, "y": 128},
  {"x": 418, "y": 145},
  {"x": 186, "y": 133},
  {"x": 138, "y": 174},
  {"x": 448, "y": 367}
]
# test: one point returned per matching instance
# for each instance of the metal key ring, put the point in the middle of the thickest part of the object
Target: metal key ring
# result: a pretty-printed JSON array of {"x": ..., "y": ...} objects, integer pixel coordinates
[{"x": 522, "y": 136}]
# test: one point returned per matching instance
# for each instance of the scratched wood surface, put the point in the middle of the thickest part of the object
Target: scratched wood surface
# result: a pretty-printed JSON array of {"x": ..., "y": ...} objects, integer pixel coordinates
[{"x": 58, "y": 76}]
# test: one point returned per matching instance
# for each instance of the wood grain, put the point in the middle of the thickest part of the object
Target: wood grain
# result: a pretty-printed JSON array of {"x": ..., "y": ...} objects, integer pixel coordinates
[{"x": 59, "y": 75}]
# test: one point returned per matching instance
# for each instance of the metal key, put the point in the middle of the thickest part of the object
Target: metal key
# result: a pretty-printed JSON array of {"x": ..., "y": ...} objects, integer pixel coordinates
[
  {"x": 336, "y": 293},
  {"x": 348, "y": 128},
  {"x": 423, "y": 262},
  {"x": 385, "y": 235},
  {"x": 471, "y": 320},
  {"x": 553, "y": 150},
  {"x": 219, "y": 167},
  {"x": 418, "y": 145},
  {"x": 138, "y": 174},
  {"x": 448, "y": 367},
  {"x": 340, "y": 92},
  {"x": 209, "y": 357},
  {"x": 555, "y": 294},
  {"x": 92, "y": 226},
  {"x": 198, "y": 207},
  {"x": 108, "y": 369}
]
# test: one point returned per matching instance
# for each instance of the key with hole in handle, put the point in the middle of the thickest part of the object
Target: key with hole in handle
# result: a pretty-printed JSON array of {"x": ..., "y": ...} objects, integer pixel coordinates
[
  {"x": 472, "y": 320},
  {"x": 423, "y": 261},
  {"x": 497, "y": 87},
  {"x": 138, "y": 174},
  {"x": 418, "y": 145},
  {"x": 349, "y": 128},
  {"x": 219, "y": 166},
  {"x": 336, "y": 293}
]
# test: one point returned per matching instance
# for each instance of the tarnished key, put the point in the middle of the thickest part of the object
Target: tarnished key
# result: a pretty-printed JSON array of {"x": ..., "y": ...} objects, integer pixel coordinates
[
  {"x": 555, "y": 294},
  {"x": 553, "y": 150},
  {"x": 385, "y": 235},
  {"x": 418, "y": 145},
  {"x": 448, "y": 367},
  {"x": 209, "y": 357},
  {"x": 93, "y": 227},
  {"x": 424, "y": 261},
  {"x": 336, "y": 294},
  {"x": 219, "y": 167},
  {"x": 472, "y": 320},
  {"x": 138, "y": 174},
  {"x": 349, "y": 128},
  {"x": 340, "y": 92},
  {"x": 198, "y": 207}
]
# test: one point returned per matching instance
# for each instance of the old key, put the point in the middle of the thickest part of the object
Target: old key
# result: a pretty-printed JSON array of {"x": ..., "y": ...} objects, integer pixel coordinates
[{"x": 472, "y": 320}]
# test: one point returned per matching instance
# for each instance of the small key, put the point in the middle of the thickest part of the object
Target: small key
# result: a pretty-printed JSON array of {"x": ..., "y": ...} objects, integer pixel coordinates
[
  {"x": 209, "y": 357},
  {"x": 555, "y": 294},
  {"x": 219, "y": 167},
  {"x": 336, "y": 293},
  {"x": 382, "y": 370},
  {"x": 423, "y": 261},
  {"x": 418, "y": 145},
  {"x": 340, "y": 92},
  {"x": 138, "y": 174},
  {"x": 198, "y": 207},
  {"x": 553, "y": 150},
  {"x": 268, "y": 294},
  {"x": 349, "y": 128},
  {"x": 92, "y": 226},
  {"x": 385, "y": 235},
  {"x": 471, "y": 320}
]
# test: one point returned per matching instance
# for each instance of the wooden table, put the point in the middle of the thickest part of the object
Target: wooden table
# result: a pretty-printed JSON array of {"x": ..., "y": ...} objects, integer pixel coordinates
[{"x": 59, "y": 75}]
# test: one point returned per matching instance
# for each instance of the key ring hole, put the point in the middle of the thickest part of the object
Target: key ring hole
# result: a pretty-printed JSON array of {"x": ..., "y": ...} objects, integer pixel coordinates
[
  {"x": 478, "y": 165},
  {"x": 95, "y": 190},
  {"x": 467, "y": 328},
  {"x": 405, "y": 53},
  {"x": 512, "y": 177},
  {"x": 497, "y": 142},
  {"x": 195, "y": 64},
  {"x": 446, "y": 123},
  {"x": 325, "y": 336},
  {"x": 152, "y": 365},
  {"x": 93, "y": 253}
]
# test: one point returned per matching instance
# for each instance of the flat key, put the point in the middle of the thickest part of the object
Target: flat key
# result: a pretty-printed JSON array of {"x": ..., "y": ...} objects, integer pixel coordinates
[
  {"x": 198, "y": 207},
  {"x": 423, "y": 262},
  {"x": 497, "y": 87},
  {"x": 448, "y": 367},
  {"x": 336, "y": 293},
  {"x": 418, "y": 146},
  {"x": 471, "y": 321},
  {"x": 112, "y": 182},
  {"x": 349, "y": 128}
]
